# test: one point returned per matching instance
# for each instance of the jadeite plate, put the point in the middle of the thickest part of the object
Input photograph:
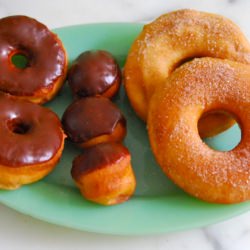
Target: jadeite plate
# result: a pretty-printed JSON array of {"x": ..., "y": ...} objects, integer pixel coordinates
[{"x": 158, "y": 205}]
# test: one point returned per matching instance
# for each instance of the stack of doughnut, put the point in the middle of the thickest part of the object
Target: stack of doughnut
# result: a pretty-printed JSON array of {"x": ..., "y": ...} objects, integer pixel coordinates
[
  {"x": 103, "y": 172},
  {"x": 184, "y": 73},
  {"x": 32, "y": 139}
]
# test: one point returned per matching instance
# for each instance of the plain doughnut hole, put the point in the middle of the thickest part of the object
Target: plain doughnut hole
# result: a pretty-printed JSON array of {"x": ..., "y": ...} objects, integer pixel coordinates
[
  {"x": 226, "y": 140},
  {"x": 17, "y": 126},
  {"x": 20, "y": 61}
]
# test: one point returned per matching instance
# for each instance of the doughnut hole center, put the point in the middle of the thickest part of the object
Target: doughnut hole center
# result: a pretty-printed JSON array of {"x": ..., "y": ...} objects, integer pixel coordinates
[
  {"x": 17, "y": 126},
  {"x": 20, "y": 61},
  {"x": 219, "y": 130}
]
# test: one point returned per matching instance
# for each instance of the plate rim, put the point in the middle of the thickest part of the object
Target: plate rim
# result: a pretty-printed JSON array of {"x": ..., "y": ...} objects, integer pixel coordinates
[{"x": 153, "y": 231}]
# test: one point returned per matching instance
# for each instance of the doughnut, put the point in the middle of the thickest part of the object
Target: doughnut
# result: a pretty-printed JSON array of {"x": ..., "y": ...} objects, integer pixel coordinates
[
  {"x": 104, "y": 174},
  {"x": 32, "y": 142},
  {"x": 196, "y": 88},
  {"x": 92, "y": 120},
  {"x": 44, "y": 74},
  {"x": 173, "y": 39},
  {"x": 94, "y": 73}
]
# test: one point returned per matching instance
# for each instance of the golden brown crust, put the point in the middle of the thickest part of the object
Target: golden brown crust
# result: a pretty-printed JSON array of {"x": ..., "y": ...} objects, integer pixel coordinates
[
  {"x": 195, "y": 88},
  {"x": 172, "y": 39},
  {"x": 117, "y": 135}
]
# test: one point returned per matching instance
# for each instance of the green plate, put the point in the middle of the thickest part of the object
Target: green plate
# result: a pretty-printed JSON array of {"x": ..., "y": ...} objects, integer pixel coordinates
[{"x": 158, "y": 205}]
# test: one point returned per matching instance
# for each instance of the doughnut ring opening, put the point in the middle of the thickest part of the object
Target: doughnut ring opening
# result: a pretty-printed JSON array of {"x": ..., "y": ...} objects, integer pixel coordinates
[
  {"x": 172, "y": 39},
  {"x": 197, "y": 87}
]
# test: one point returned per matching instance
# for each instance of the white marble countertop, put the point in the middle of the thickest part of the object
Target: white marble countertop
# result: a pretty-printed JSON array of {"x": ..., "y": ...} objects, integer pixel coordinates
[{"x": 18, "y": 231}]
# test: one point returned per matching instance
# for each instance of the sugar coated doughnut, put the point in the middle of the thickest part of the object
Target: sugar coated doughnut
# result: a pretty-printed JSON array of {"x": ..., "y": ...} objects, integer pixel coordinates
[
  {"x": 173, "y": 39},
  {"x": 197, "y": 87}
]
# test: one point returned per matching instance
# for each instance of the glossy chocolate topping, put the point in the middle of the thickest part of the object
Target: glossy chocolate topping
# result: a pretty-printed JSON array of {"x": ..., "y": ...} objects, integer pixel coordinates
[
  {"x": 93, "y": 73},
  {"x": 90, "y": 117},
  {"x": 45, "y": 54},
  {"x": 29, "y": 133},
  {"x": 98, "y": 156}
]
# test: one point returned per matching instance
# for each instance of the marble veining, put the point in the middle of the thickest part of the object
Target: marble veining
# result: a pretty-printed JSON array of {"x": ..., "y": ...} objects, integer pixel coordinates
[{"x": 215, "y": 243}]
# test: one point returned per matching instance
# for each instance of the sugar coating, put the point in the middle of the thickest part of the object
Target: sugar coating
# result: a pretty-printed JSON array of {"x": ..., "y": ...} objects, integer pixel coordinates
[
  {"x": 173, "y": 38},
  {"x": 187, "y": 34},
  {"x": 199, "y": 86}
]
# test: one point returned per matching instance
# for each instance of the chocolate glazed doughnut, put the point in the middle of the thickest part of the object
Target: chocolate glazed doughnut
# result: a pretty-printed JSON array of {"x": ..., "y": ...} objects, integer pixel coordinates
[
  {"x": 32, "y": 141},
  {"x": 45, "y": 72}
]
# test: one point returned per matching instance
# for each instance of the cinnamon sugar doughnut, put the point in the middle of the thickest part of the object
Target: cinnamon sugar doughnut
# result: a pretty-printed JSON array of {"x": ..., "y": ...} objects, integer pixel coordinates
[
  {"x": 169, "y": 41},
  {"x": 198, "y": 87}
]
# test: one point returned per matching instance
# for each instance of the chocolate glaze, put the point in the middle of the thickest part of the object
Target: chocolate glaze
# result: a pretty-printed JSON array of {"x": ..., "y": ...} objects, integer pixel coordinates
[
  {"x": 93, "y": 73},
  {"x": 46, "y": 56},
  {"x": 90, "y": 117},
  {"x": 29, "y": 133},
  {"x": 98, "y": 156}
]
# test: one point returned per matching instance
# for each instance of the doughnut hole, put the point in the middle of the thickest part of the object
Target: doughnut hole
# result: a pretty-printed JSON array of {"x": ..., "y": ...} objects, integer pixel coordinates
[
  {"x": 104, "y": 174},
  {"x": 225, "y": 132},
  {"x": 18, "y": 126},
  {"x": 93, "y": 120},
  {"x": 94, "y": 73},
  {"x": 20, "y": 60}
]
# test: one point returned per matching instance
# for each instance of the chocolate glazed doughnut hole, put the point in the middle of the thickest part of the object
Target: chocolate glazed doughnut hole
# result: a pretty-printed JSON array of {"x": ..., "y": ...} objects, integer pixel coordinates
[
  {"x": 93, "y": 120},
  {"x": 94, "y": 73},
  {"x": 104, "y": 174}
]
